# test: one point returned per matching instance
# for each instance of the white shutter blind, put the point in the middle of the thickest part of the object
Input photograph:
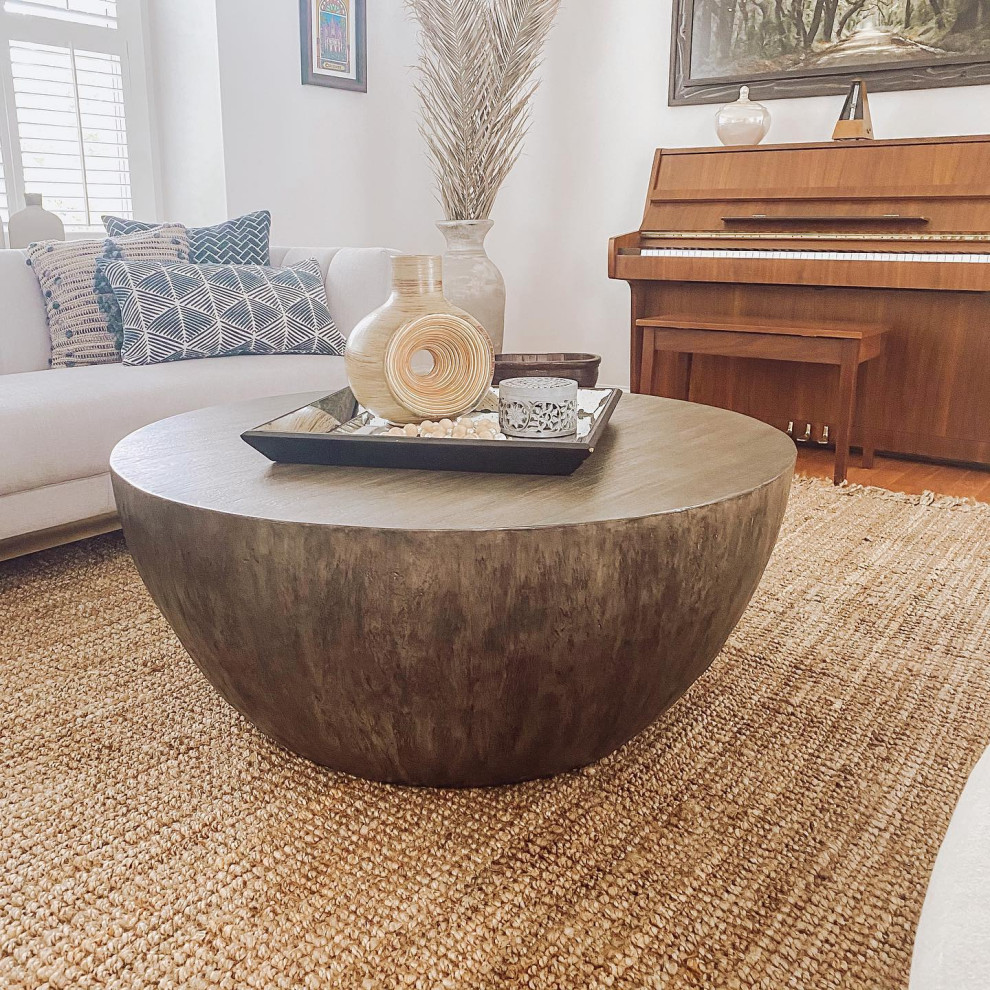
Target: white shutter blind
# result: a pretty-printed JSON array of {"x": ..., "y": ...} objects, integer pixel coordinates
[
  {"x": 72, "y": 127},
  {"x": 4, "y": 206},
  {"x": 99, "y": 13},
  {"x": 75, "y": 124}
]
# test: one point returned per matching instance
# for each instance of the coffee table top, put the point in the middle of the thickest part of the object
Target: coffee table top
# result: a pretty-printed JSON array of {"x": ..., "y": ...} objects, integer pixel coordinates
[{"x": 657, "y": 455}]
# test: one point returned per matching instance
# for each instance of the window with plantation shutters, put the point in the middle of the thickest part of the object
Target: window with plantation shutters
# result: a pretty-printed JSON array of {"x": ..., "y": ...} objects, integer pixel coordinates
[
  {"x": 4, "y": 210},
  {"x": 73, "y": 131},
  {"x": 76, "y": 109},
  {"x": 101, "y": 13}
]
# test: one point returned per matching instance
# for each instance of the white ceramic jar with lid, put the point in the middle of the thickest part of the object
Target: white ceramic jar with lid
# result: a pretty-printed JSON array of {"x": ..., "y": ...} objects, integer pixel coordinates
[{"x": 538, "y": 407}]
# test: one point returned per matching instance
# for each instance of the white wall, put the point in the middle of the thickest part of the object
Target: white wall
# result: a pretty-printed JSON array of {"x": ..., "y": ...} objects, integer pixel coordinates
[
  {"x": 186, "y": 103},
  {"x": 347, "y": 168},
  {"x": 334, "y": 167}
]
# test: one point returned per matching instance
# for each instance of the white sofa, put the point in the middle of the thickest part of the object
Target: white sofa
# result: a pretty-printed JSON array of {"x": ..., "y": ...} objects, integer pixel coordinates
[
  {"x": 58, "y": 427},
  {"x": 952, "y": 947}
]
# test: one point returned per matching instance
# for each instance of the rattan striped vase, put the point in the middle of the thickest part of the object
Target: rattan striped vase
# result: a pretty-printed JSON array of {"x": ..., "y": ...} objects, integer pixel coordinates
[{"x": 419, "y": 357}]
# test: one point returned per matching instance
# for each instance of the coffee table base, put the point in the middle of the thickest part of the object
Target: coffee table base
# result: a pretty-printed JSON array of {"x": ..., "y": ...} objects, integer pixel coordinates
[{"x": 453, "y": 658}]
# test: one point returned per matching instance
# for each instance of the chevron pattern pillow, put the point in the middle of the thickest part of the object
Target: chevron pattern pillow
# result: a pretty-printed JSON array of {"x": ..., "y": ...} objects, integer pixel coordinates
[
  {"x": 175, "y": 312},
  {"x": 243, "y": 241}
]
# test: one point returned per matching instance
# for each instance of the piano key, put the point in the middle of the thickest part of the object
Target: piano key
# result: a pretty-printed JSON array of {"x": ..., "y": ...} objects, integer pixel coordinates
[{"x": 743, "y": 254}]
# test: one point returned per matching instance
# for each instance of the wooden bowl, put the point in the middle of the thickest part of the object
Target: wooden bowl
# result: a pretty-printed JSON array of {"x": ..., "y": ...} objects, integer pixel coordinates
[{"x": 583, "y": 368}]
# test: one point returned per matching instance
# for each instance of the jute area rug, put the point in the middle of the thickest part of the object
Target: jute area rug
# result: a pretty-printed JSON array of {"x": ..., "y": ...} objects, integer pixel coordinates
[{"x": 775, "y": 829}]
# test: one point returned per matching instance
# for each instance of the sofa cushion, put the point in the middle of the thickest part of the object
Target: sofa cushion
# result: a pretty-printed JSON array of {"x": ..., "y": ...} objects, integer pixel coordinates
[
  {"x": 61, "y": 425},
  {"x": 242, "y": 241},
  {"x": 66, "y": 272},
  {"x": 178, "y": 312}
]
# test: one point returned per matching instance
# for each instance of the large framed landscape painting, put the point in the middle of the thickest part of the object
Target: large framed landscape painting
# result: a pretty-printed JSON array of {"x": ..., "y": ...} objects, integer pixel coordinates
[
  {"x": 815, "y": 47},
  {"x": 333, "y": 43}
]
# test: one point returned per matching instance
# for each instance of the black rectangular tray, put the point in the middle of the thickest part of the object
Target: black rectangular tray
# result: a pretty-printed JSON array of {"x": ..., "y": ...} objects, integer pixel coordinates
[{"x": 337, "y": 430}]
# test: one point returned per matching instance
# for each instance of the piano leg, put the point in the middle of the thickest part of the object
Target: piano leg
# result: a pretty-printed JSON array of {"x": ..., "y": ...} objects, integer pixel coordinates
[
  {"x": 646, "y": 362},
  {"x": 848, "y": 372},
  {"x": 871, "y": 410},
  {"x": 683, "y": 385}
]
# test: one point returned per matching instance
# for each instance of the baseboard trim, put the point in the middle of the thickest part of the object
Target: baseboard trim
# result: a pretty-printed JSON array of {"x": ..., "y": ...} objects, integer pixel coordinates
[{"x": 45, "y": 539}]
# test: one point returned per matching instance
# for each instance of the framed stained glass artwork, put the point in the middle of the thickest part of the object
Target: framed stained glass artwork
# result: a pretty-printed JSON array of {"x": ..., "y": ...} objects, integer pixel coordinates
[{"x": 333, "y": 43}]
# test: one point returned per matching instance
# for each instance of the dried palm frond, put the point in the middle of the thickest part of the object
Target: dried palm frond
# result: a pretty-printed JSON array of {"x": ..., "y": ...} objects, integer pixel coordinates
[{"x": 477, "y": 77}]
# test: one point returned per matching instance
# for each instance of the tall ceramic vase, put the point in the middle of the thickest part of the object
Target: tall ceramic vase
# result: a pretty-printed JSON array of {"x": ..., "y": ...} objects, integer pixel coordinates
[
  {"x": 417, "y": 322},
  {"x": 471, "y": 279},
  {"x": 34, "y": 223}
]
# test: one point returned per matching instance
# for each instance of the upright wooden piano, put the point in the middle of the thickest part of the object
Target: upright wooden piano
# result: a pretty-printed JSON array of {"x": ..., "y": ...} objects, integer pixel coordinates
[{"x": 896, "y": 232}]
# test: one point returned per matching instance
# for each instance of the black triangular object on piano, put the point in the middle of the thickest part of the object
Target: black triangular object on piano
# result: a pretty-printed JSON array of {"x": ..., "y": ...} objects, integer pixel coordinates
[{"x": 854, "y": 123}]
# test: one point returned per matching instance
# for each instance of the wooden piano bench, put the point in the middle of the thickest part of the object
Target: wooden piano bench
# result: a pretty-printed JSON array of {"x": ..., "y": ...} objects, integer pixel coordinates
[{"x": 846, "y": 345}]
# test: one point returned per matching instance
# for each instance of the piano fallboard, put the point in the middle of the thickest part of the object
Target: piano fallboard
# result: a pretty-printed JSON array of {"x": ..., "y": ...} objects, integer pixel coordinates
[{"x": 896, "y": 231}]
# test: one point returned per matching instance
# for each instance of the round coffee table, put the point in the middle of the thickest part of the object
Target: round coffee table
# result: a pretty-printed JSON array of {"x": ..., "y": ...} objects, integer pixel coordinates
[{"x": 455, "y": 629}]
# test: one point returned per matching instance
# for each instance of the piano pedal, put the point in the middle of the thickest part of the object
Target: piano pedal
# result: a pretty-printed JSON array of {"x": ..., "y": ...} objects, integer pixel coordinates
[{"x": 809, "y": 433}]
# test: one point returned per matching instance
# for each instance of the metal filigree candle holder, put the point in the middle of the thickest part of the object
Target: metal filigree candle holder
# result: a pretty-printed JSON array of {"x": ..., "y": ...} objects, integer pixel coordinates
[{"x": 538, "y": 407}]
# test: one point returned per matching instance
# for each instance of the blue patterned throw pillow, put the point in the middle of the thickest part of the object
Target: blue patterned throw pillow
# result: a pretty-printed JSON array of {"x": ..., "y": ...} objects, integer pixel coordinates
[
  {"x": 175, "y": 312},
  {"x": 105, "y": 299},
  {"x": 243, "y": 241}
]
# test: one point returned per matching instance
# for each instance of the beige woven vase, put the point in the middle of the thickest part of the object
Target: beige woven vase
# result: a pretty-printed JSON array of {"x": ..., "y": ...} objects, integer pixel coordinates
[{"x": 419, "y": 357}]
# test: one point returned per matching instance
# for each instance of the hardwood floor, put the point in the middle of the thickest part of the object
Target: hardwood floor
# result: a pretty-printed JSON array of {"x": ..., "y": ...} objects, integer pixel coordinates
[{"x": 900, "y": 475}]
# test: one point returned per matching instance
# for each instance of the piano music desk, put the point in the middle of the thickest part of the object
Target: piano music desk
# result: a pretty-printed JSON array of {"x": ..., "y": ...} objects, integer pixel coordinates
[{"x": 845, "y": 345}]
